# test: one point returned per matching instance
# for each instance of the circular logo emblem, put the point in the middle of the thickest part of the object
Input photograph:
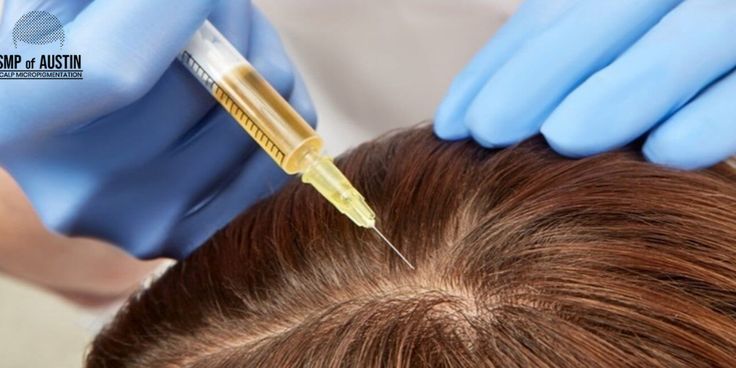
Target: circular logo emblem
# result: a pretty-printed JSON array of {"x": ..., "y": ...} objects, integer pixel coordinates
[{"x": 38, "y": 28}]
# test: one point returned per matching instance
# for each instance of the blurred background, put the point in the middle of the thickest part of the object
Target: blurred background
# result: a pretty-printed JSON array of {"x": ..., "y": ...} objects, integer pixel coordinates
[
  {"x": 38, "y": 329},
  {"x": 371, "y": 66}
]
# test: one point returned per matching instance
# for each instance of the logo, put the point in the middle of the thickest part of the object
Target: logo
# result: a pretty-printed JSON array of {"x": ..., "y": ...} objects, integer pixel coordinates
[{"x": 40, "y": 28}]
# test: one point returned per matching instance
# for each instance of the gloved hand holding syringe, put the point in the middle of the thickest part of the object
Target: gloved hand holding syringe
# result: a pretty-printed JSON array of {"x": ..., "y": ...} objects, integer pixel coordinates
[{"x": 272, "y": 122}]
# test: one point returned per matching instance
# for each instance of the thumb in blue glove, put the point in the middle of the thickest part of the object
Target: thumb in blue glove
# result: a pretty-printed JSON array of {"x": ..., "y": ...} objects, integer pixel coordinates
[
  {"x": 137, "y": 153},
  {"x": 592, "y": 76}
]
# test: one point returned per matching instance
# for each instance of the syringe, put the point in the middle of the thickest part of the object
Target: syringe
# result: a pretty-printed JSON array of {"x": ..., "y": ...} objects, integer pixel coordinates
[{"x": 272, "y": 122}]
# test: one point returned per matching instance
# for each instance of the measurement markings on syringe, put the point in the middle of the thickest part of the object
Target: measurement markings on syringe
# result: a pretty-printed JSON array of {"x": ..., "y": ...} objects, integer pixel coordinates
[{"x": 229, "y": 104}]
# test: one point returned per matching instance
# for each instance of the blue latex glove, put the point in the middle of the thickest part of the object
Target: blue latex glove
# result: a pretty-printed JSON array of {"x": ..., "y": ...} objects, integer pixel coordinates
[
  {"x": 594, "y": 75},
  {"x": 138, "y": 153}
]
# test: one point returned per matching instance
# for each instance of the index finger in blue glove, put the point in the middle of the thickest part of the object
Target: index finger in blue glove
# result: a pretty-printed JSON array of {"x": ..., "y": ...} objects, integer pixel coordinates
[
  {"x": 532, "y": 17},
  {"x": 121, "y": 58},
  {"x": 701, "y": 134},
  {"x": 673, "y": 62},
  {"x": 520, "y": 96}
]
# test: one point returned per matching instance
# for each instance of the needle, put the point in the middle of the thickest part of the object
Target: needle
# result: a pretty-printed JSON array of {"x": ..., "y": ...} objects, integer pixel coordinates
[{"x": 394, "y": 248}]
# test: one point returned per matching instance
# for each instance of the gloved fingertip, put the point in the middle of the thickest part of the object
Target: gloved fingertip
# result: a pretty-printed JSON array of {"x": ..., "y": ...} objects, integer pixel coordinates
[
  {"x": 454, "y": 132},
  {"x": 480, "y": 131},
  {"x": 449, "y": 119},
  {"x": 667, "y": 150},
  {"x": 485, "y": 143},
  {"x": 651, "y": 153},
  {"x": 565, "y": 141},
  {"x": 662, "y": 156},
  {"x": 492, "y": 125},
  {"x": 448, "y": 126}
]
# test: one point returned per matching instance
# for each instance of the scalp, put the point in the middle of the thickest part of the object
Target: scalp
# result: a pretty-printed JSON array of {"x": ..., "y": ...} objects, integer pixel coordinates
[{"x": 523, "y": 258}]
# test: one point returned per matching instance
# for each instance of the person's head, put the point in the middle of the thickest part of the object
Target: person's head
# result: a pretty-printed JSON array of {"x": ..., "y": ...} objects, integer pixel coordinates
[{"x": 523, "y": 258}]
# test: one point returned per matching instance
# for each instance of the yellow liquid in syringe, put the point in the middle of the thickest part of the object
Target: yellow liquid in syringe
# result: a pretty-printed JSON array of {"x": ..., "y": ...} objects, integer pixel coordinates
[
  {"x": 272, "y": 122},
  {"x": 264, "y": 114},
  {"x": 288, "y": 139}
]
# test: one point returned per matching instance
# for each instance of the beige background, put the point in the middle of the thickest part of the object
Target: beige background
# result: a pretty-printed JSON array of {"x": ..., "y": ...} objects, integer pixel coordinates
[
  {"x": 39, "y": 330},
  {"x": 376, "y": 65},
  {"x": 370, "y": 65}
]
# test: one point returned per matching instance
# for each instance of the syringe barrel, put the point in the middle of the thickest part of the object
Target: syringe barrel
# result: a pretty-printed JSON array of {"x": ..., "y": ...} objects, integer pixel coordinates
[
  {"x": 270, "y": 120},
  {"x": 257, "y": 106}
]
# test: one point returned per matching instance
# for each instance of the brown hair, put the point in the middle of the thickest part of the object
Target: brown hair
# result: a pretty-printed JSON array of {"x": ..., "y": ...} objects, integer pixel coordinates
[{"x": 523, "y": 259}]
